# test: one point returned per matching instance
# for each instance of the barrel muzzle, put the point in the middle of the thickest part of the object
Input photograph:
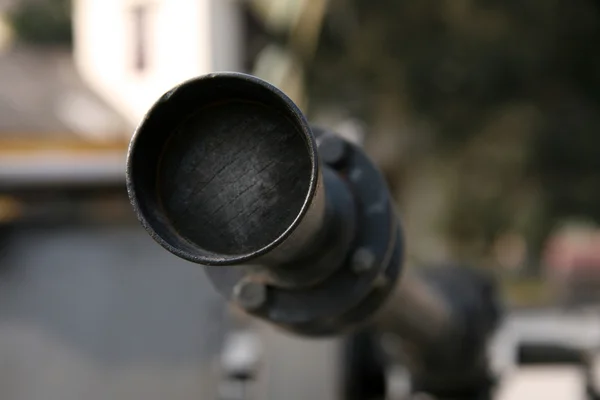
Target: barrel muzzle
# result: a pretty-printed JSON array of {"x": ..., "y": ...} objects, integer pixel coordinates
[{"x": 224, "y": 169}]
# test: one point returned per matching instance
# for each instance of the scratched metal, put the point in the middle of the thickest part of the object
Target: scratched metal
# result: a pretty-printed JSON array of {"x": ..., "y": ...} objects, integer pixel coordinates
[
  {"x": 223, "y": 169},
  {"x": 234, "y": 176},
  {"x": 314, "y": 308}
]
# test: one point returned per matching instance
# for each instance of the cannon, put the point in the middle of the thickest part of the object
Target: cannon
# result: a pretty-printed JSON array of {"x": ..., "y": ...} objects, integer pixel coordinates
[{"x": 296, "y": 226}]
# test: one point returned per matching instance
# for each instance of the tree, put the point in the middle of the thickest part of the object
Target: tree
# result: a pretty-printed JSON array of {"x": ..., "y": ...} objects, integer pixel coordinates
[
  {"x": 503, "y": 94},
  {"x": 46, "y": 22}
]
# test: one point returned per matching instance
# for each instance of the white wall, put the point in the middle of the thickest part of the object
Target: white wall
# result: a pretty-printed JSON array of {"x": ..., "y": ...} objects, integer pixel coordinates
[{"x": 185, "y": 38}]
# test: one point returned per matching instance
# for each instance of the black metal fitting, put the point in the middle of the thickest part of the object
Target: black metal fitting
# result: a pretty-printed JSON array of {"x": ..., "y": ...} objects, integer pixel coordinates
[
  {"x": 250, "y": 295},
  {"x": 333, "y": 150},
  {"x": 296, "y": 226},
  {"x": 224, "y": 170}
]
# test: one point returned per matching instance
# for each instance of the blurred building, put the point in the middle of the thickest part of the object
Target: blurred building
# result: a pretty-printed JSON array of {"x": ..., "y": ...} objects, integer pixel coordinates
[
  {"x": 131, "y": 52},
  {"x": 53, "y": 127},
  {"x": 44, "y": 97},
  {"x": 90, "y": 307},
  {"x": 572, "y": 261}
]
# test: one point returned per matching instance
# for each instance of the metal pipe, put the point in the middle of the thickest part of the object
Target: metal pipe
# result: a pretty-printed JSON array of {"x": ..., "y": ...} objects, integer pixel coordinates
[
  {"x": 223, "y": 170},
  {"x": 415, "y": 313}
]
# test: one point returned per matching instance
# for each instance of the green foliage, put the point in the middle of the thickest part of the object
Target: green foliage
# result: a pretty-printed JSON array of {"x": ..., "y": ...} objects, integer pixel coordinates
[
  {"x": 45, "y": 22},
  {"x": 461, "y": 66}
]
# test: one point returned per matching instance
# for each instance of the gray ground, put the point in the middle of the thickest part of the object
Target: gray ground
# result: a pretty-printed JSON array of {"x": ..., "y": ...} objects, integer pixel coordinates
[
  {"x": 107, "y": 314},
  {"x": 104, "y": 314}
]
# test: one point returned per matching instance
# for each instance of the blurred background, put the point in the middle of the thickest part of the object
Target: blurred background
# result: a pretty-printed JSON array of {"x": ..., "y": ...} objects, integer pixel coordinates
[{"x": 482, "y": 114}]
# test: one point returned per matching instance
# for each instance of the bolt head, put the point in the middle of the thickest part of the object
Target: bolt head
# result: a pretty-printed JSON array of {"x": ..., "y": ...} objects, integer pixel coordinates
[
  {"x": 363, "y": 260},
  {"x": 381, "y": 281},
  {"x": 332, "y": 149},
  {"x": 250, "y": 295}
]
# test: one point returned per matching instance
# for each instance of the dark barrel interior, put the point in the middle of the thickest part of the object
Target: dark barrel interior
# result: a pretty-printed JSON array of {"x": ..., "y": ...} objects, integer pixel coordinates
[
  {"x": 234, "y": 176},
  {"x": 220, "y": 168}
]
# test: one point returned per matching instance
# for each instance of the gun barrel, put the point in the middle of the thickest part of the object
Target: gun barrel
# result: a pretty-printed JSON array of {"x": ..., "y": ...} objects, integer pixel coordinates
[
  {"x": 223, "y": 169},
  {"x": 416, "y": 313}
]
